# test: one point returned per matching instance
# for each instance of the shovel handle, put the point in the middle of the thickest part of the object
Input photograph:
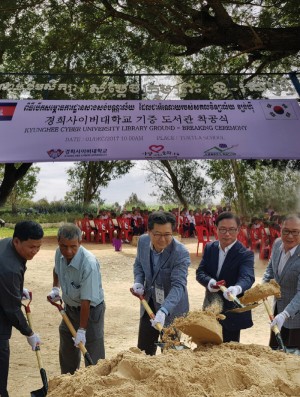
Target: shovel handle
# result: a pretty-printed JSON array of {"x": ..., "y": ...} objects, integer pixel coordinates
[
  {"x": 231, "y": 297},
  {"x": 274, "y": 328},
  {"x": 37, "y": 349},
  {"x": 148, "y": 309},
  {"x": 71, "y": 329}
]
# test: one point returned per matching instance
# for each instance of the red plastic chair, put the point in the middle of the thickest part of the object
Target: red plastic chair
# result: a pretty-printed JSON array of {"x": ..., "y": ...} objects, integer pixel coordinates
[
  {"x": 255, "y": 238},
  {"x": 265, "y": 246},
  {"x": 101, "y": 231},
  {"x": 243, "y": 237},
  {"x": 126, "y": 229},
  {"x": 203, "y": 237},
  {"x": 86, "y": 229},
  {"x": 199, "y": 220}
]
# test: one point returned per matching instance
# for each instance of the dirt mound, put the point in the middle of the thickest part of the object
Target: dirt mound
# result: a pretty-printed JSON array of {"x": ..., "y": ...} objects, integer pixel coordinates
[
  {"x": 261, "y": 291},
  {"x": 229, "y": 369}
]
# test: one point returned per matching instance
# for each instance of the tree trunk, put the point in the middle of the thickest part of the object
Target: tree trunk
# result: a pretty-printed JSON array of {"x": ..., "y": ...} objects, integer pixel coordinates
[
  {"x": 238, "y": 181},
  {"x": 175, "y": 184},
  {"x": 11, "y": 176}
]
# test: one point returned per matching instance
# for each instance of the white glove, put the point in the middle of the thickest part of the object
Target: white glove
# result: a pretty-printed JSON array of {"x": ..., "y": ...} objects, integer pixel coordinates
[
  {"x": 233, "y": 290},
  {"x": 25, "y": 294},
  {"x": 138, "y": 289},
  {"x": 34, "y": 341},
  {"x": 212, "y": 282},
  {"x": 80, "y": 337},
  {"x": 159, "y": 318},
  {"x": 54, "y": 294},
  {"x": 280, "y": 319}
]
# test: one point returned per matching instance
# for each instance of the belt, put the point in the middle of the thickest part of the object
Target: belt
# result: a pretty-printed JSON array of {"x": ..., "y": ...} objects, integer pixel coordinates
[{"x": 77, "y": 308}]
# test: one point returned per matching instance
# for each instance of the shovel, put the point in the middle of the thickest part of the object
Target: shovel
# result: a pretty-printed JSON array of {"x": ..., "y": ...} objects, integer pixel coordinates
[
  {"x": 158, "y": 326},
  {"x": 64, "y": 315},
  {"x": 239, "y": 307},
  {"x": 43, "y": 391},
  {"x": 275, "y": 329}
]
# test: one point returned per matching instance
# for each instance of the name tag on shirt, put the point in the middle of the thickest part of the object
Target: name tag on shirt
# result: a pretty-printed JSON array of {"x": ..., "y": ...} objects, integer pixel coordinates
[{"x": 159, "y": 295}]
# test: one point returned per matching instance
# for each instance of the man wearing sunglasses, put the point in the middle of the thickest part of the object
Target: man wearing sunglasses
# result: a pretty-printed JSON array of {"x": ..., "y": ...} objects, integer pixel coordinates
[
  {"x": 284, "y": 267},
  {"x": 160, "y": 275},
  {"x": 227, "y": 259}
]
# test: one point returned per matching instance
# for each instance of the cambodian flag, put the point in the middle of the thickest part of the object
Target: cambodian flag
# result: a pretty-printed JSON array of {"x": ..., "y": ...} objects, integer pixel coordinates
[{"x": 7, "y": 110}]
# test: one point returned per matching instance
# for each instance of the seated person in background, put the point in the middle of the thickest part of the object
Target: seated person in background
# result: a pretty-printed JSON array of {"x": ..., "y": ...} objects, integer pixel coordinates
[{"x": 137, "y": 223}]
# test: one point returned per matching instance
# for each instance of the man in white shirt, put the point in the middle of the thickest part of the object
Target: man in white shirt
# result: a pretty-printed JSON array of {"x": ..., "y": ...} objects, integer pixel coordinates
[
  {"x": 227, "y": 259},
  {"x": 284, "y": 267}
]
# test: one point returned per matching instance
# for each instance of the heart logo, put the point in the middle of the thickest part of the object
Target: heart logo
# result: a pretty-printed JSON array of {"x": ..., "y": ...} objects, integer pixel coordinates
[
  {"x": 54, "y": 154},
  {"x": 156, "y": 148}
]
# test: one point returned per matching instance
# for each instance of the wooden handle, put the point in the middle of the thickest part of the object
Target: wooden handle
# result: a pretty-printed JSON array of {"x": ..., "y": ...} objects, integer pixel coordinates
[
  {"x": 232, "y": 297},
  {"x": 37, "y": 350},
  {"x": 148, "y": 309},
  {"x": 274, "y": 328},
  {"x": 72, "y": 330}
]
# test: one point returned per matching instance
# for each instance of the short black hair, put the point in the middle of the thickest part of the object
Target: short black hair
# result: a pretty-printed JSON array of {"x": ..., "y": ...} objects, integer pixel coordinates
[
  {"x": 28, "y": 230},
  {"x": 161, "y": 218},
  {"x": 228, "y": 215}
]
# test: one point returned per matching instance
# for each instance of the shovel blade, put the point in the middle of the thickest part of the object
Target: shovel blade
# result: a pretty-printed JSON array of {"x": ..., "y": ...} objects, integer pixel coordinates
[
  {"x": 39, "y": 393},
  {"x": 162, "y": 345}
]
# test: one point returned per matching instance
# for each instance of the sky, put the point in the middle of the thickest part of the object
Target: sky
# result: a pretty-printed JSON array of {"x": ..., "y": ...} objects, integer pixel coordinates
[{"x": 53, "y": 184}]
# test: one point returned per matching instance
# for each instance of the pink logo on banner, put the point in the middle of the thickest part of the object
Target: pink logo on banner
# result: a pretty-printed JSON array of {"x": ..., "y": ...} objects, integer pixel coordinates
[
  {"x": 54, "y": 154},
  {"x": 156, "y": 148}
]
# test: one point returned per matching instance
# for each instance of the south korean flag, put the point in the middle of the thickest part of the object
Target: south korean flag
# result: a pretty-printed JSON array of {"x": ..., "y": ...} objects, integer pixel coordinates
[{"x": 278, "y": 110}]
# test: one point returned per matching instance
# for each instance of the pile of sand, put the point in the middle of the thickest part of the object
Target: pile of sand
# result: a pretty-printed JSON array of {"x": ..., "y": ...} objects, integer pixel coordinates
[
  {"x": 229, "y": 369},
  {"x": 261, "y": 291}
]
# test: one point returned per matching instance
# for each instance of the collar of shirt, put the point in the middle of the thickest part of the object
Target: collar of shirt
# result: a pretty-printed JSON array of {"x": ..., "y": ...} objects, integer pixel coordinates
[
  {"x": 154, "y": 251},
  {"x": 226, "y": 249},
  {"x": 292, "y": 251}
]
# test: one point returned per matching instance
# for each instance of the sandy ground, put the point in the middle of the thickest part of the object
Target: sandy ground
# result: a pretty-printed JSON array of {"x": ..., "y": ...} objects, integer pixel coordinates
[{"x": 122, "y": 311}]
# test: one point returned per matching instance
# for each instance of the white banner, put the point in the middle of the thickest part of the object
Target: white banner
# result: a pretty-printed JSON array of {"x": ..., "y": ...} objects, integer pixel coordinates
[{"x": 38, "y": 131}]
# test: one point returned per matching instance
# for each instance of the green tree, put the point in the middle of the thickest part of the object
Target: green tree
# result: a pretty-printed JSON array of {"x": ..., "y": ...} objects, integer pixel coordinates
[
  {"x": 24, "y": 188},
  {"x": 179, "y": 181},
  {"x": 87, "y": 178},
  {"x": 251, "y": 187},
  {"x": 134, "y": 201}
]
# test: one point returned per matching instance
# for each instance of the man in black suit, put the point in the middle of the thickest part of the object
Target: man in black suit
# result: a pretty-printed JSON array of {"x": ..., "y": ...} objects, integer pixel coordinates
[{"x": 227, "y": 259}]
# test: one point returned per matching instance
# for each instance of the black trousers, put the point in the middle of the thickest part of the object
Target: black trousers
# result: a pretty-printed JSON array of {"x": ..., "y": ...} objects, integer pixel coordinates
[
  {"x": 4, "y": 366},
  {"x": 148, "y": 335},
  {"x": 230, "y": 336}
]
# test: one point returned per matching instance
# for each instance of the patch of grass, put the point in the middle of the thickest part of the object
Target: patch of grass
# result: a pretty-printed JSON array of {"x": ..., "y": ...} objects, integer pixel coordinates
[{"x": 8, "y": 231}]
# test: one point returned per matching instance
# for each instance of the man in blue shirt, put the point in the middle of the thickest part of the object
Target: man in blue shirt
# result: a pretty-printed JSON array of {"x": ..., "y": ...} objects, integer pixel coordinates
[{"x": 77, "y": 272}]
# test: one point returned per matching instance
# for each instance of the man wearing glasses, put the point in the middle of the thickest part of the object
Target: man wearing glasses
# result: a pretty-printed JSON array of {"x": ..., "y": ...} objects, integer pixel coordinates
[
  {"x": 227, "y": 259},
  {"x": 160, "y": 275},
  {"x": 284, "y": 267}
]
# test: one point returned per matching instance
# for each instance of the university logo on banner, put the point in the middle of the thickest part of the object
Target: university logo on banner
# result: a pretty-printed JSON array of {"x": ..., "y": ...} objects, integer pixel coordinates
[
  {"x": 278, "y": 110},
  {"x": 7, "y": 110}
]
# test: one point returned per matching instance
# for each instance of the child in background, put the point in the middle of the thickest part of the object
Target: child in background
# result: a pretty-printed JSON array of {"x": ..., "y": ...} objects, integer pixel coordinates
[{"x": 116, "y": 241}]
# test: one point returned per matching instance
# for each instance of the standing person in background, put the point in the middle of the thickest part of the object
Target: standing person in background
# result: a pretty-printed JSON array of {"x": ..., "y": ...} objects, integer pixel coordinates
[
  {"x": 77, "y": 272},
  {"x": 14, "y": 253},
  {"x": 284, "y": 267},
  {"x": 227, "y": 259},
  {"x": 160, "y": 273}
]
